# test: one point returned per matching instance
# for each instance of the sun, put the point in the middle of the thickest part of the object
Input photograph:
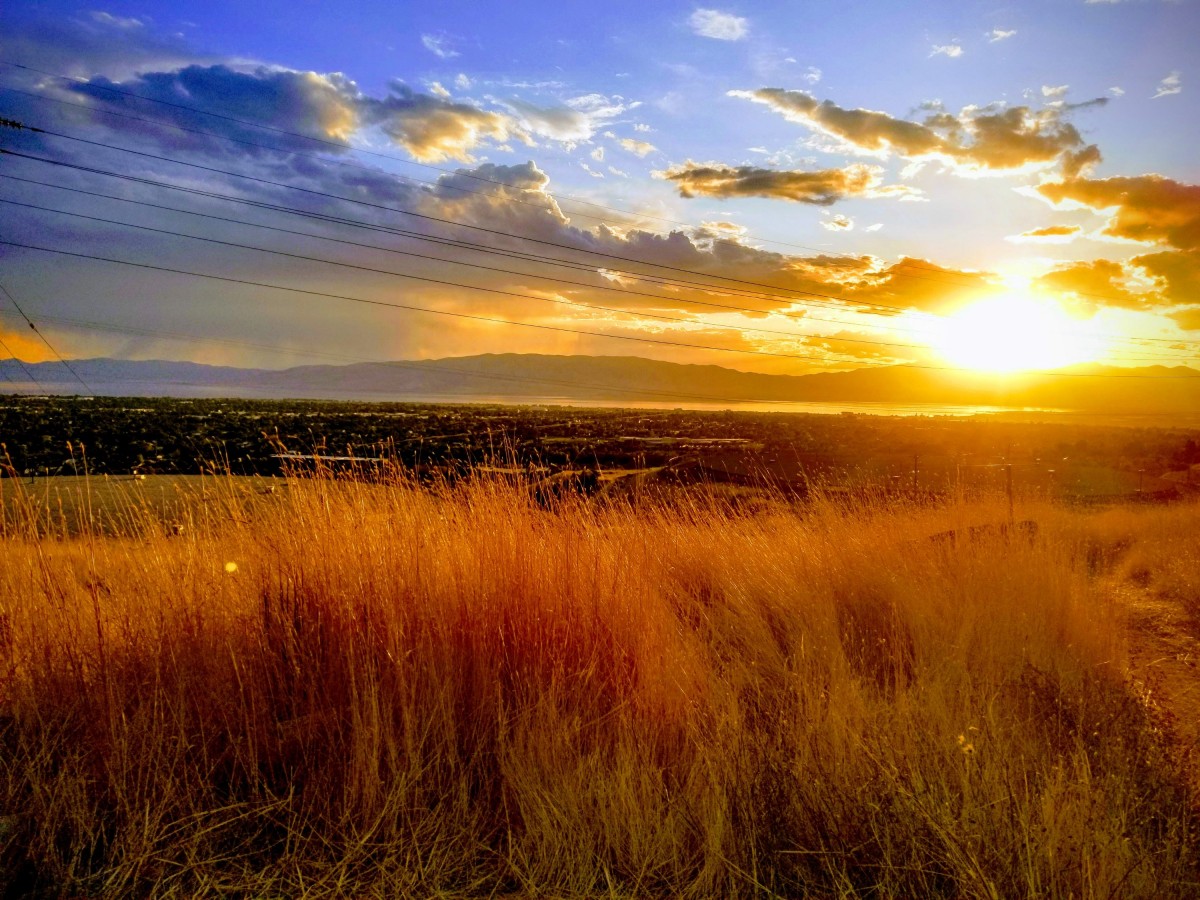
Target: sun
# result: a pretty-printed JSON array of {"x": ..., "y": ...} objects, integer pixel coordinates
[{"x": 1012, "y": 333}]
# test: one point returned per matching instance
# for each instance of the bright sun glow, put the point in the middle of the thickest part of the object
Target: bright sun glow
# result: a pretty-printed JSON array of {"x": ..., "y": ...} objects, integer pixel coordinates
[{"x": 1011, "y": 334}]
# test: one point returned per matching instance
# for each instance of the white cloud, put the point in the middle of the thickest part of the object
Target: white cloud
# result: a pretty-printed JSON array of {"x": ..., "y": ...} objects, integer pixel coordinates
[
  {"x": 1117, "y": 91},
  {"x": 874, "y": 227},
  {"x": 999, "y": 34},
  {"x": 435, "y": 88},
  {"x": 838, "y": 223},
  {"x": 1172, "y": 84},
  {"x": 462, "y": 82},
  {"x": 598, "y": 154},
  {"x": 439, "y": 45},
  {"x": 640, "y": 127},
  {"x": 641, "y": 148},
  {"x": 1055, "y": 92},
  {"x": 577, "y": 120},
  {"x": 812, "y": 75},
  {"x": 590, "y": 170},
  {"x": 618, "y": 172},
  {"x": 117, "y": 21},
  {"x": 951, "y": 50},
  {"x": 721, "y": 26}
]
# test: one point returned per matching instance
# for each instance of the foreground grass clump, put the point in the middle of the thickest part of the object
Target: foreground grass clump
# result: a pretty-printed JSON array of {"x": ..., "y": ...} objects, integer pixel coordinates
[{"x": 380, "y": 690}]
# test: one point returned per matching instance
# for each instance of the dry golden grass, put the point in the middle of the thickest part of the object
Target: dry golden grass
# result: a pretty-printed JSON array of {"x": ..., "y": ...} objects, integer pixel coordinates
[{"x": 382, "y": 690}]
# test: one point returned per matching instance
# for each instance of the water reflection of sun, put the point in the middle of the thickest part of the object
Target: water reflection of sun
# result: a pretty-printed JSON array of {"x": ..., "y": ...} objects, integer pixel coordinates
[{"x": 1013, "y": 333}]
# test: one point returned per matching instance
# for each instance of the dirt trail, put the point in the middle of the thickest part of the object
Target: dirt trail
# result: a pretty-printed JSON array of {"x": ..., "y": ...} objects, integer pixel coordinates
[{"x": 1164, "y": 660}]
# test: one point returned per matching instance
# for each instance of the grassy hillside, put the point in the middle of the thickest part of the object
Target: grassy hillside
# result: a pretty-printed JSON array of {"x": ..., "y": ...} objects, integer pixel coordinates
[{"x": 380, "y": 690}]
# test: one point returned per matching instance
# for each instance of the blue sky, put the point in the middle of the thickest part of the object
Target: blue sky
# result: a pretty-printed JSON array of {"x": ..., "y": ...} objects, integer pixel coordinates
[{"x": 900, "y": 161}]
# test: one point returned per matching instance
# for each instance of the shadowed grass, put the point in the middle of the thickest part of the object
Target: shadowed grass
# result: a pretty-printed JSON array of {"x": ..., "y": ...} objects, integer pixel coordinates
[{"x": 395, "y": 691}]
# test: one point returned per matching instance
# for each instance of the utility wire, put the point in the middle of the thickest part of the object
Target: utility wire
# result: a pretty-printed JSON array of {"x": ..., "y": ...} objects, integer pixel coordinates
[
  {"x": 414, "y": 308},
  {"x": 44, "y": 339},
  {"x": 661, "y": 317},
  {"x": 457, "y": 224},
  {"x": 910, "y": 264},
  {"x": 559, "y": 300},
  {"x": 839, "y": 301},
  {"x": 832, "y": 301},
  {"x": 346, "y": 145},
  {"x": 542, "y": 327}
]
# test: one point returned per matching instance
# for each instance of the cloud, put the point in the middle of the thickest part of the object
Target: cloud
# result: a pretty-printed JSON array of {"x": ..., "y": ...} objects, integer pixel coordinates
[
  {"x": 121, "y": 22},
  {"x": 976, "y": 141},
  {"x": 951, "y": 50},
  {"x": 439, "y": 46},
  {"x": 1177, "y": 271},
  {"x": 838, "y": 223},
  {"x": 430, "y": 126},
  {"x": 1051, "y": 234},
  {"x": 916, "y": 284},
  {"x": 1117, "y": 91},
  {"x": 821, "y": 188},
  {"x": 24, "y": 348},
  {"x": 640, "y": 148},
  {"x": 1187, "y": 319},
  {"x": 1147, "y": 209},
  {"x": 721, "y": 26},
  {"x": 598, "y": 154},
  {"x": 641, "y": 127},
  {"x": 303, "y": 103},
  {"x": 1096, "y": 282},
  {"x": 576, "y": 120},
  {"x": 1055, "y": 92},
  {"x": 812, "y": 75},
  {"x": 433, "y": 129},
  {"x": 462, "y": 82},
  {"x": 1171, "y": 84},
  {"x": 999, "y": 34}
]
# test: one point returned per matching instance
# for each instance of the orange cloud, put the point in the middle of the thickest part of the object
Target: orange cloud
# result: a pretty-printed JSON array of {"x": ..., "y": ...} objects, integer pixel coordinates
[
  {"x": 17, "y": 343},
  {"x": 1100, "y": 281},
  {"x": 822, "y": 187},
  {"x": 1149, "y": 209},
  {"x": 918, "y": 284},
  {"x": 1051, "y": 234},
  {"x": 434, "y": 129},
  {"x": 1187, "y": 319},
  {"x": 1177, "y": 270},
  {"x": 975, "y": 141}
]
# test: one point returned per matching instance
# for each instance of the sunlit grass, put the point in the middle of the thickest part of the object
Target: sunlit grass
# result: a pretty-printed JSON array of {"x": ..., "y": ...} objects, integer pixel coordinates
[{"x": 384, "y": 690}]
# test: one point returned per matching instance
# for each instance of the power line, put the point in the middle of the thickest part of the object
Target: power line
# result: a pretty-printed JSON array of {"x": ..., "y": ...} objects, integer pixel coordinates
[
  {"x": 657, "y": 316},
  {"x": 341, "y": 145},
  {"x": 525, "y": 256},
  {"x": 911, "y": 264},
  {"x": 457, "y": 224},
  {"x": 44, "y": 339},
  {"x": 414, "y": 308},
  {"x": 542, "y": 327},
  {"x": 722, "y": 290},
  {"x": 660, "y": 317}
]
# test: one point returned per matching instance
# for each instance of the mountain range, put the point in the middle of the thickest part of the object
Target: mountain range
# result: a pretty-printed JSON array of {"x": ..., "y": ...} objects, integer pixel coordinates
[{"x": 619, "y": 381}]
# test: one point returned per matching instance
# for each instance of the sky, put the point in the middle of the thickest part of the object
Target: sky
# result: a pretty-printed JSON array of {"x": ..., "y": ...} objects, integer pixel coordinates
[{"x": 774, "y": 187}]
